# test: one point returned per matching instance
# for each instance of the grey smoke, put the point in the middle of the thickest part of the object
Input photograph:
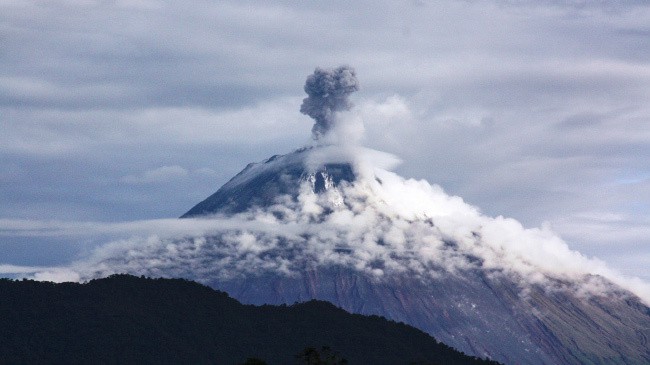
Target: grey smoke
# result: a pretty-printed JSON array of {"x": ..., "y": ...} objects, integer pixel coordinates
[{"x": 328, "y": 91}]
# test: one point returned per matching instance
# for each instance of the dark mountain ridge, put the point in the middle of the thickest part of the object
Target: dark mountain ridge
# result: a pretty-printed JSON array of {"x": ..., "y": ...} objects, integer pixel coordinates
[{"x": 124, "y": 319}]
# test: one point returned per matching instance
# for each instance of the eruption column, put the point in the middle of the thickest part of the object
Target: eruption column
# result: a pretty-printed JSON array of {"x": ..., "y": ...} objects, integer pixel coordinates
[{"x": 328, "y": 91}]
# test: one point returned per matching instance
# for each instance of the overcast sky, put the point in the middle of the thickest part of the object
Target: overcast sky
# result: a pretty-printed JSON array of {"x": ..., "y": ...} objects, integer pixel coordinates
[{"x": 115, "y": 111}]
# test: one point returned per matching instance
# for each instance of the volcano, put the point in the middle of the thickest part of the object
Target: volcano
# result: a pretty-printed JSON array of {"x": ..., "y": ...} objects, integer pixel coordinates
[
  {"x": 408, "y": 260},
  {"x": 332, "y": 222}
]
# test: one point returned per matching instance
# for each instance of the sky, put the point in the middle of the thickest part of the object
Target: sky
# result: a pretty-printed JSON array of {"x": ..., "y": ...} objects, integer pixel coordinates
[{"x": 126, "y": 111}]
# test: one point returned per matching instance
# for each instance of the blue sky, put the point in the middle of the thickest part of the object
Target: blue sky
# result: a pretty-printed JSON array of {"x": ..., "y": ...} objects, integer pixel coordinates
[{"x": 114, "y": 111}]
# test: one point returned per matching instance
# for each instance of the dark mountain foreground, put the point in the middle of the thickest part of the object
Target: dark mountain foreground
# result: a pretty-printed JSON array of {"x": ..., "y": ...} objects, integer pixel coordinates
[{"x": 126, "y": 319}]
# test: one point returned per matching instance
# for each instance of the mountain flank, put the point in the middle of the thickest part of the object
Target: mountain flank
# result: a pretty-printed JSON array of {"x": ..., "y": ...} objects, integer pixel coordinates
[{"x": 125, "y": 319}]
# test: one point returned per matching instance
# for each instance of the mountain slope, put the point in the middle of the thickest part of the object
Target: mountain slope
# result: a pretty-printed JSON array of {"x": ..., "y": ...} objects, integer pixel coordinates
[{"x": 125, "y": 319}]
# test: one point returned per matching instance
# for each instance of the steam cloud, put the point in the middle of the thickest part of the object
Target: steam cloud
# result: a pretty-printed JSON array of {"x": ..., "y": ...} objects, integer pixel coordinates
[{"x": 328, "y": 91}]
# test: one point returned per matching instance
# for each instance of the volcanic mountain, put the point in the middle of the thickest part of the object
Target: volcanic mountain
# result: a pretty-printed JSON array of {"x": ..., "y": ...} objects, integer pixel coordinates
[
  {"x": 426, "y": 259},
  {"x": 332, "y": 222}
]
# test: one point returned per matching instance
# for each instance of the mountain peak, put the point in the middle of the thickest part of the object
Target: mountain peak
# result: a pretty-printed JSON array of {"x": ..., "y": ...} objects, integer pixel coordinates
[{"x": 261, "y": 184}]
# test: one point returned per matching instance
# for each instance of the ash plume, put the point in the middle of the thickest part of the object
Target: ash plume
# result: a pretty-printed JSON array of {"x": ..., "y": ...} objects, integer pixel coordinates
[{"x": 328, "y": 91}]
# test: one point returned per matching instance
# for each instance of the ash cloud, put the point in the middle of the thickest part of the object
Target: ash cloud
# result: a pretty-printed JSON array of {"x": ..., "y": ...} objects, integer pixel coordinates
[{"x": 328, "y": 92}]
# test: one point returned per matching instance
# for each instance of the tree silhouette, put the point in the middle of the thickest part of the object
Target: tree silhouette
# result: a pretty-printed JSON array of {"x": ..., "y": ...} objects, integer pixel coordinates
[
  {"x": 254, "y": 361},
  {"x": 326, "y": 356},
  {"x": 133, "y": 320}
]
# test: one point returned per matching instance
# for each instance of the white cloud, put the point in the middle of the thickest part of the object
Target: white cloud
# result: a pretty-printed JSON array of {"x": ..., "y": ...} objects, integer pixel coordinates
[
  {"x": 157, "y": 175},
  {"x": 388, "y": 225}
]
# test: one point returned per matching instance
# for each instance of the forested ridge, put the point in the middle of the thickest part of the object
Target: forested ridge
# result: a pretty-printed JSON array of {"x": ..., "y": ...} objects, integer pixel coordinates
[{"x": 124, "y": 319}]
